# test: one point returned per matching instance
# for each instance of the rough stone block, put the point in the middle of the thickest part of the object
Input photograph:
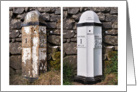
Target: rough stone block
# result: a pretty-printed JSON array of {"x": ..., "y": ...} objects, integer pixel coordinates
[
  {"x": 111, "y": 32},
  {"x": 68, "y": 34},
  {"x": 53, "y": 39},
  {"x": 15, "y": 48},
  {"x": 107, "y": 25},
  {"x": 18, "y": 10},
  {"x": 15, "y": 62},
  {"x": 112, "y": 40},
  {"x": 111, "y": 18},
  {"x": 68, "y": 24},
  {"x": 114, "y": 10},
  {"x": 73, "y": 10},
  {"x": 70, "y": 48},
  {"x": 14, "y": 33},
  {"x": 51, "y": 25}
]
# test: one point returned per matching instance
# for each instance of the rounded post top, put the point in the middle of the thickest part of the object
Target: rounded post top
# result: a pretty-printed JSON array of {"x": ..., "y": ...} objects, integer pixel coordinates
[
  {"x": 89, "y": 17},
  {"x": 33, "y": 18}
]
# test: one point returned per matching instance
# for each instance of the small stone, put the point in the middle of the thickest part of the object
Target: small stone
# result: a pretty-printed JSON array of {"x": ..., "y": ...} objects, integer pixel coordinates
[
  {"x": 70, "y": 48},
  {"x": 15, "y": 48},
  {"x": 54, "y": 18},
  {"x": 12, "y": 71},
  {"x": 52, "y": 49},
  {"x": 15, "y": 62},
  {"x": 55, "y": 32},
  {"x": 14, "y": 33},
  {"x": 16, "y": 25},
  {"x": 57, "y": 11},
  {"x": 73, "y": 10},
  {"x": 111, "y": 18},
  {"x": 76, "y": 17},
  {"x": 68, "y": 34},
  {"x": 51, "y": 25},
  {"x": 115, "y": 25},
  {"x": 101, "y": 9},
  {"x": 68, "y": 24},
  {"x": 112, "y": 40},
  {"x": 65, "y": 8},
  {"x": 68, "y": 40},
  {"x": 18, "y": 39},
  {"x": 114, "y": 10},
  {"x": 46, "y": 16},
  {"x": 11, "y": 14},
  {"x": 65, "y": 14},
  {"x": 71, "y": 60},
  {"x": 64, "y": 40},
  {"x": 73, "y": 39},
  {"x": 107, "y": 25},
  {"x": 111, "y": 32},
  {"x": 53, "y": 39},
  {"x": 18, "y": 10},
  {"x": 101, "y": 16}
]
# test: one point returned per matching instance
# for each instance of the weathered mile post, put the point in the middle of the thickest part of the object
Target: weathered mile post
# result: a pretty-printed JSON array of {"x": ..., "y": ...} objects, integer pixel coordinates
[
  {"x": 89, "y": 48},
  {"x": 34, "y": 45}
]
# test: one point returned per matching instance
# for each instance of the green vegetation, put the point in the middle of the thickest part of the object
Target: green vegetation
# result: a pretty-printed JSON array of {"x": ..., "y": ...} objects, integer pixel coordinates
[
  {"x": 68, "y": 73},
  {"x": 55, "y": 63},
  {"x": 111, "y": 69}
]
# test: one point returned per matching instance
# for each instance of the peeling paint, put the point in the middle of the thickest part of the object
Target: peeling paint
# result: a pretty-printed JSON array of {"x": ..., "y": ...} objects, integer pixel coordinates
[{"x": 26, "y": 54}]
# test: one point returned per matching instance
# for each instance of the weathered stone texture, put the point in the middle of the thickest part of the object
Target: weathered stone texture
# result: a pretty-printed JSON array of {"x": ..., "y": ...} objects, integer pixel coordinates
[
  {"x": 15, "y": 48},
  {"x": 70, "y": 48},
  {"x": 15, "y": 62}
]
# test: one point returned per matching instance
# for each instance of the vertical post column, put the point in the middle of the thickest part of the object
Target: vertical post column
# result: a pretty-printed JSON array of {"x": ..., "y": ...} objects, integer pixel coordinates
[{"x": 34, "y": 45}]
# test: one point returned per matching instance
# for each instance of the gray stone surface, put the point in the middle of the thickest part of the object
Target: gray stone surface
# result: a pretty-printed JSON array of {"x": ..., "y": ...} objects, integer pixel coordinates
[
  {"x": 15, "y": 48},
  {"x": 15, "y": 62},
  {"x": 53, "y": 39},
  {"x": 70, "y": 48},
  {"x": 112, "y": 40},
  {"x": 68, "y": 34}
]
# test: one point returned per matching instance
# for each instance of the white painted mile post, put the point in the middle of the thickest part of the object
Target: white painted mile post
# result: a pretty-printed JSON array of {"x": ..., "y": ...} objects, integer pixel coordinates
[
  {"x": 34, "y": 45},
  {"x": 89, "y": 48}
]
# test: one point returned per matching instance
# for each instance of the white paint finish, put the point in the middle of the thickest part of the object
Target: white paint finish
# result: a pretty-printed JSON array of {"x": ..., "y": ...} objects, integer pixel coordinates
[
  {"x": 42, "y": 54},
  {"x": 81, "y": 56},
  {"x": 27, "y": 30},
  {"x": 89, "y": 53},
  {"x": 26, "y": 54},
  {"x": 35, "y": 56},
  {"x": 89, "y": 16}
]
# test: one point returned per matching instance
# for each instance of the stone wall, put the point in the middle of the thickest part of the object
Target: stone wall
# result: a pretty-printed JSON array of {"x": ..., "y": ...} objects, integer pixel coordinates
[
  {"x": 16, "y": 17},
  {"x": 109, "y": 18}
]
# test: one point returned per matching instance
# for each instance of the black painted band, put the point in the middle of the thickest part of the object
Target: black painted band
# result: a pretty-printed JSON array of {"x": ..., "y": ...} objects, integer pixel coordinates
[
  {"x": 89, "y": 24},
  {"x": 32, "y": 24}
]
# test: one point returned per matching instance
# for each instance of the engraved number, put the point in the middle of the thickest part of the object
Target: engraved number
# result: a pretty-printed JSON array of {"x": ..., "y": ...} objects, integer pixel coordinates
[{"x": 26, "y": 40}]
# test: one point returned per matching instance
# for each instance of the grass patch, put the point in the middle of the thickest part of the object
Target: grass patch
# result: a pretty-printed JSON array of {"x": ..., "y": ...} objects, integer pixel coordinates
[
  {"x": 68, "y": 73},
  {"x": 111, "y": 69},
  {"x": 49, "y": 78}
]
